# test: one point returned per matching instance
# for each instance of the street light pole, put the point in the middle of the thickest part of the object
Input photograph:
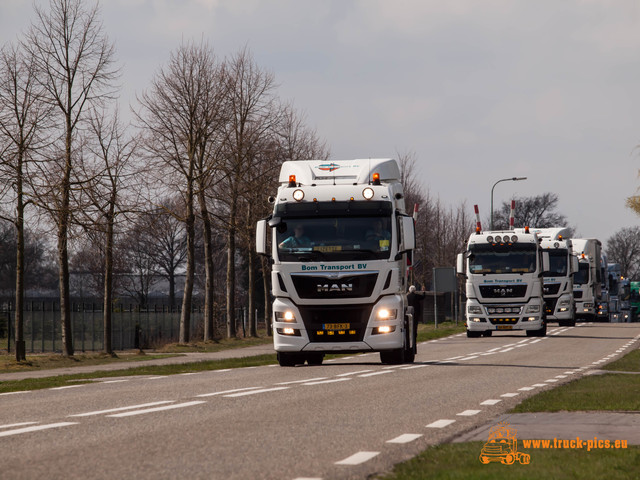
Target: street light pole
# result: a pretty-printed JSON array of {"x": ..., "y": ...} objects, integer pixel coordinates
[{"x": 512, "y": 179}]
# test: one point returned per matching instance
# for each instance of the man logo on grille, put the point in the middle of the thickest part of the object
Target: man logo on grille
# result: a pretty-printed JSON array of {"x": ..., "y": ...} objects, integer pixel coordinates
[{"x": 334, "y": 287}]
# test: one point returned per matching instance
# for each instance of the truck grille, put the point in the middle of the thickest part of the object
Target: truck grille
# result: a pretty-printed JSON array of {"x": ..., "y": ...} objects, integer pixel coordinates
[
  {"x": 339, "y": 286},
  {"x": 316, "y": 317},
  {"x": 551, "y": 288},
  {"x": 503, "y": 291},
  {"x": 550, "y": 305}
]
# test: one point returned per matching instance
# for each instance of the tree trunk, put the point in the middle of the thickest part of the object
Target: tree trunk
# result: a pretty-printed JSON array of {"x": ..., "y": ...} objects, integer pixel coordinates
[
  {"x": 19, "y": 310},
  {"x": 231, "y": 271},
  {"x": 185, "y": 315},
  {"x": 209, "y": 324},
  {"x": 108, "y": 284}
]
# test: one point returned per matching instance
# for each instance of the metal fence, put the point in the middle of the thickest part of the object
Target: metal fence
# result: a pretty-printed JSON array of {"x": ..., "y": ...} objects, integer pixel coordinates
[{"x": 132, "y": 327}]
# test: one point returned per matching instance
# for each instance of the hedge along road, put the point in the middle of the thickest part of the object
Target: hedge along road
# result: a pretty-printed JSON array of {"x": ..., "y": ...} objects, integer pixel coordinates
[{"x": 348, "y": 418}]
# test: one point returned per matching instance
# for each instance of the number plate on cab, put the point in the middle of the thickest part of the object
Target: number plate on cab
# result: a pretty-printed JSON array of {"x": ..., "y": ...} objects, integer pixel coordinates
[
  {"x": 505, "y": 327},
  {"x": 336, "y": 326}
]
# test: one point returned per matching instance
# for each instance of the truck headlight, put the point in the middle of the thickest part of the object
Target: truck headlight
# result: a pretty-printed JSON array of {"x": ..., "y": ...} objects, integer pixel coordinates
[
  {"x": 564, "y": 303},
  {"x": 533, "y": 309},
  {"x": 287, "y": 316},
  {"x": 475, "y": 309},
  {"x": 387, "y": 314}
]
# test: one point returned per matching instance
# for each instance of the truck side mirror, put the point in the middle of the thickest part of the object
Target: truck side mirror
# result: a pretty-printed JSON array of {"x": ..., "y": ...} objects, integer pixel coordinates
[
  {"x": 575, "y": 264},
  {"x": 546, "y": 264},
  {"x": 261, "y": 237},
  {"x": 408, "y": 233},
  {"x": 460, "y": 264}
]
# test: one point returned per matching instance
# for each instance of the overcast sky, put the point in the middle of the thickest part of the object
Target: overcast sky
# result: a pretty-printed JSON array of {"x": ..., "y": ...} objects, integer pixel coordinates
[{"x": 477, "y": 90}]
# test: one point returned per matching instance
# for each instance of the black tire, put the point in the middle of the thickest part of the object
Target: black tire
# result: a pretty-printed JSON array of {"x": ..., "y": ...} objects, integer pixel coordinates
[
  {"x": 315, "y": 358},
  {"x": 392, "y": 357},
  {"x": 286, "y": 359},
  {"x": 473, "y": 334},
  {"x": 487, "y": 333}
]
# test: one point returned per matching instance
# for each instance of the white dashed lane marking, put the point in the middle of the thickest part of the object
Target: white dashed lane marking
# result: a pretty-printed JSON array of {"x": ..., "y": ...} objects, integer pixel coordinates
[
  {"x": 491, "y": 401},
  {"x": 405, "y": 438},
  {"x": 440, "y": 423},
  {"x": 358, "y": 458}
]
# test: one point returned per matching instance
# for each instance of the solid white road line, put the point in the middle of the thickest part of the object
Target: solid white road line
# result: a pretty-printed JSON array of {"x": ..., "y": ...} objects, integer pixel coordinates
[
  {"x": 15, "y": 393},
  {"x": 358, "y": 458},
  {"x": 36, "y": 428},
  {"x": 227, "y": 391},
  {"x": 302, "y": 381},
  {"x": 157, "y": 409},
  {"x": 253, "y": 392},
  {"x": 353, "y": 373},
  {"x": 334, "y": 380},
  {"x": 405, "y": 438},
  {"x": 68, "y": 386},
  {"x": 121, "y": 409},
  {"x": 381, "y": 372},
  {"x": 13, "y": 425}
]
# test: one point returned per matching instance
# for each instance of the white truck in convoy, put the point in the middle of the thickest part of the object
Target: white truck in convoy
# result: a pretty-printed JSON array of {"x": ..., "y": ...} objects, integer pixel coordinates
[
  {"x": 587, "y": 282},
  {"x": 558, "y": 280},
  {"x": 504, "y": 283},
  {"x": 341, "y": 243}
]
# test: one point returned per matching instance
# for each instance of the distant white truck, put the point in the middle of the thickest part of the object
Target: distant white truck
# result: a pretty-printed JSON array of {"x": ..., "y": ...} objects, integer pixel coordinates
[
  {"x": 587, "y": 282},
  {"x": 341, "y": 246},
  {"x": 558, "y": 280},
  {"x": 504, "y": 283}
]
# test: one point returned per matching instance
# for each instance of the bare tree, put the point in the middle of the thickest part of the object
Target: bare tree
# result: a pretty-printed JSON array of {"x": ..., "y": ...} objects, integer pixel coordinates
[
  {"x": 623, "y": 247},
  {"x": 178, "y": 116},
  {"x": 74, "y": 61},
  {"x": 539, "y": 211},
  {"x": 252, "y": 117},
  {"x": 23, "y": 117},
  {"x": 105, "y": 196}
]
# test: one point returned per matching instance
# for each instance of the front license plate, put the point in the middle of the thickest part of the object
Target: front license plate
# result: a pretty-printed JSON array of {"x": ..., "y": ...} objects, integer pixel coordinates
[
  {"x": 505, "y": 327},
  {"x": 336, "y": 326}
]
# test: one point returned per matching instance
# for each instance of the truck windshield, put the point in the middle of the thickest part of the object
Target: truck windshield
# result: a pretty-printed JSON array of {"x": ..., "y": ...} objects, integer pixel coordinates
[
  {"x": 334, "y": 238},
  {"x": 558, "y": 261},
  {"x": 515, "y": 258},
  {"x": 581, "y": 277}
]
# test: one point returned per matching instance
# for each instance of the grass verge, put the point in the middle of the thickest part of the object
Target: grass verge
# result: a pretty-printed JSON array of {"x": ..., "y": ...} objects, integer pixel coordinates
[
  {"x": 63, "y": 380},
  {"x": 459, "y": 461},
  {"x": 611, "y": 391}
]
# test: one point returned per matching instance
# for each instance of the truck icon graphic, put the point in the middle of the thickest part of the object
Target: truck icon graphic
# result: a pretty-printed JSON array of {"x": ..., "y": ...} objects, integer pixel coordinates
[{"x": 502, "y": 446}]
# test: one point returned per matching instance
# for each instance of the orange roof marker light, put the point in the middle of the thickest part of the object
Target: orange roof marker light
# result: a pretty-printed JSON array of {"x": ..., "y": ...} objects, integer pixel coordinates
[
  {"x": 292, "y": 181},
  {"x": 376, "y": 179},
  {"x": 526, "y": 229}
]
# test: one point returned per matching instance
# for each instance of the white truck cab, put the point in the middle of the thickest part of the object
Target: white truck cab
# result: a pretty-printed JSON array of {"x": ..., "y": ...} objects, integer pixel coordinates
[
  {"x": 341, "y": 242},
  {"x": 504, "y": 286}
]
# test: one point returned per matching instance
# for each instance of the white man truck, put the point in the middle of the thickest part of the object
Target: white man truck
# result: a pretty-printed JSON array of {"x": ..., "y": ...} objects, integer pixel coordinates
[
  {"x": 558, "y": 280},
  {"x": 587, "y": 282},
  {"x": 341, "y": 245},
  {"x": 504, "y": 286},
  {"x": 619, "y": 294}
]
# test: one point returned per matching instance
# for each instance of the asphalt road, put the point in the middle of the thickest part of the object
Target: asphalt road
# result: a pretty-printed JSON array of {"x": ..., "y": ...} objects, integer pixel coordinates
[{"x": 348, "y": 418}]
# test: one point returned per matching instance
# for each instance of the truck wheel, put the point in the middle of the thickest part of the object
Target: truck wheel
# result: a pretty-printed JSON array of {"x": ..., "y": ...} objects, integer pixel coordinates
[
  {"x": 315, "y": 358},
  {"x": 288, "y": 359},
  {"x": 473, "y": 334},
  {"x": 486, "y": 333},
  {"x": 392, "y": 357}
]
